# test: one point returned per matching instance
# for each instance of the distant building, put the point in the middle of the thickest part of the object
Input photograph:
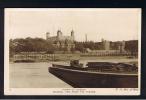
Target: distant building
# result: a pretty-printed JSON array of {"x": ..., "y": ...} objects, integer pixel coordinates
[
  {"x": 62, "y": 42},
  {"x": 122, "y": 46},
  {"x": 106, "y": 44},
  {"x": 107, "y": 50}
]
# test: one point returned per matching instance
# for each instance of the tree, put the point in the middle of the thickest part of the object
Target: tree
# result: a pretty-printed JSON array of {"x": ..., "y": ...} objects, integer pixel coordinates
[
  {"x": 30, "y": 45},
  {"x": 132, "y": 47},
  {"x": 79, "y": 46}
]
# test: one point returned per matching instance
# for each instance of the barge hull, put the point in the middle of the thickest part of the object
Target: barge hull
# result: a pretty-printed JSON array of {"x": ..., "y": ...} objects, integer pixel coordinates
[{"x": 81, "y": 79}]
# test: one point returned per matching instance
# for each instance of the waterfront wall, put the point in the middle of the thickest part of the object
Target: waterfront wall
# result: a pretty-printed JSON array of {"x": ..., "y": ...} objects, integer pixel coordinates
[
  {"x": 45, "y": 57},
  {"x": 63, "y": 57}
]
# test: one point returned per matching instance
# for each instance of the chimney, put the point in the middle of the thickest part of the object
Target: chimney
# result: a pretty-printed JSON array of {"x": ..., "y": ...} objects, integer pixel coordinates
[
  {"x": 86, "y": 37},
  {"x": 47, "y": 35},
  {"x": 72, "y": 34}
]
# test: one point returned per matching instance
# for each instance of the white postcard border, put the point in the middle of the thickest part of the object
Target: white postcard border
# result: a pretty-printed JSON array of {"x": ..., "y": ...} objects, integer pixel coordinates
[{"x": 66, "y": 91}]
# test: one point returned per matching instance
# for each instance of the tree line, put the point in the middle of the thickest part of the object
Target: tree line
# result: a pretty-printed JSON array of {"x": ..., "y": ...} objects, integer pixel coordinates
[{"x": 39, "y": 44}]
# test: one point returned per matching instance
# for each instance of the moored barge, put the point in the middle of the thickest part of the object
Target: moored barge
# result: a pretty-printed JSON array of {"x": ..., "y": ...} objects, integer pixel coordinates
[{"x": 97, "y": 74}]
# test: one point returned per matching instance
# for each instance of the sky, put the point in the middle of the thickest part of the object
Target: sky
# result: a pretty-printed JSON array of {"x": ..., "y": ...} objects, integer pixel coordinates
[{"x": 109, "y": 24}]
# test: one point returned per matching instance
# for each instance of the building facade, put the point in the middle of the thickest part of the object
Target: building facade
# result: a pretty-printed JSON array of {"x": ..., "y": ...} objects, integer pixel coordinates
[
  {"x": 107, "y": 46},
  {"x": 107, "y": 50},
  {"x": 62, "y": 42}
]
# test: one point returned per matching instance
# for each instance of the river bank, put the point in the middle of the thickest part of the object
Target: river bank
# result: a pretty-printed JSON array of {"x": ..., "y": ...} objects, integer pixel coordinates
[{"x": 68, "y": 57}]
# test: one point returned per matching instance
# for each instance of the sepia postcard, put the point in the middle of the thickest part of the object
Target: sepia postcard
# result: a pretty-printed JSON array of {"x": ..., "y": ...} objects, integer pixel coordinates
[{"x": 72, "y": 51}]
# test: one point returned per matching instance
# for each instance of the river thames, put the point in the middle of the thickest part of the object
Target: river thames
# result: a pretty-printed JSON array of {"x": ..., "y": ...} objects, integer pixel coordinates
[{"x": 36, "y": 75}]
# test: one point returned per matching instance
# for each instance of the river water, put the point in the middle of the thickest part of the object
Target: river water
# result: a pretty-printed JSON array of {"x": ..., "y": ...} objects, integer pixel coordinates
[{"x": 36, "y": 75}]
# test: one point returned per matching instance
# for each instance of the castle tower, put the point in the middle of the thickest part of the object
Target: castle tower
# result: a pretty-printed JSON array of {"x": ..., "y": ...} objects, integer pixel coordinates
[
  {"x": 72, "y": 35},
  {"x": 59, "y": 33},
  {"x": 107, "y": 45},
  {"x": 102, "y": 40},
  {"x": 47, "y": 35},
  {"x": 123, "y": 46}
]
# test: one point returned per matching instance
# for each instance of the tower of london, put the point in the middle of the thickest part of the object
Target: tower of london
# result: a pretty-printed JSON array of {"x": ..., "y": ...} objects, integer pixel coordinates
[{"x": 61, "y": 41}]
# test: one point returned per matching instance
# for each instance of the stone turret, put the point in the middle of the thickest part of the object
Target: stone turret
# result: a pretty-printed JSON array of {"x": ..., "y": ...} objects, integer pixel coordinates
[
  {"x": 122, "y": 46},
  {"x": 106, "y": 44},
  {"x": 59, "y": 33}
]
